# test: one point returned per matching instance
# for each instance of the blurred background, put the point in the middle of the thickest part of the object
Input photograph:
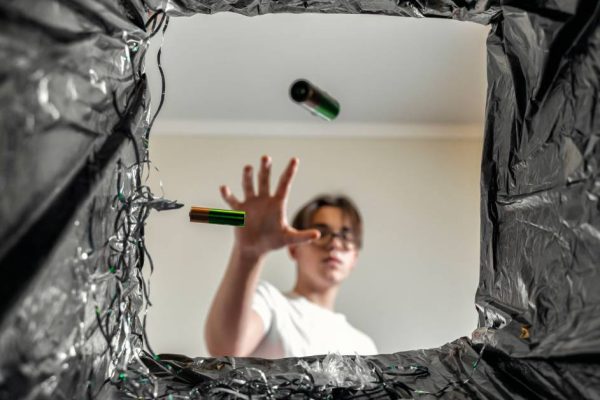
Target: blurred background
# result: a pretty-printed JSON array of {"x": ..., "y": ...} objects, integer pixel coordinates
[{"x": 406, "y": 147}]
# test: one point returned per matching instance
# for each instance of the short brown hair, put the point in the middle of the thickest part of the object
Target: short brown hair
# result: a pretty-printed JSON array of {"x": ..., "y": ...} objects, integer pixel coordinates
[{"x": 303, "y": 217}]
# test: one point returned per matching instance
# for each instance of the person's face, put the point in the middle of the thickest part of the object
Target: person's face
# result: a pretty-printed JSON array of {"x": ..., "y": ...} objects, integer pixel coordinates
[{"x": 329, "y": 260}]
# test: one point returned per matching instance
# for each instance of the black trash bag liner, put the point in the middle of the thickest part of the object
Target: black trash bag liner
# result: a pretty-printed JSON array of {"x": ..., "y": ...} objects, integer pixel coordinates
[
  {"x": 540, "y": 243},
  {"x": 74, "y": 130}
]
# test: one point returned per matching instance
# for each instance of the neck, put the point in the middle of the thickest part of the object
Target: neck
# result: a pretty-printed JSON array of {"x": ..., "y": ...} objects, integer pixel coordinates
[{"x": 322, "y": 297}]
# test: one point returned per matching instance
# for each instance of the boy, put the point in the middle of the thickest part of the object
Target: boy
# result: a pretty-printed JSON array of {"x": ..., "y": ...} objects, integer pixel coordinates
[{"x": 249, "y": 318}]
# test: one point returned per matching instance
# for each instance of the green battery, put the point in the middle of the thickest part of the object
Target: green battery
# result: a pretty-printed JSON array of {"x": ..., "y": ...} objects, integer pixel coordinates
[
  {"x": 315, "y": 100},
  {"x": 217, "y": 216}
]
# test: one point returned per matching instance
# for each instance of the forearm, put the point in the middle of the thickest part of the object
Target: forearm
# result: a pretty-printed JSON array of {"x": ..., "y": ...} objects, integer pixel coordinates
[{"x": 231, "y": 328}]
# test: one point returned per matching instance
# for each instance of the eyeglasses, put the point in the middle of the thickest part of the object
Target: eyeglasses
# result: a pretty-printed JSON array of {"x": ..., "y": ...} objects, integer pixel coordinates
[{"x": 345, "y": 235}]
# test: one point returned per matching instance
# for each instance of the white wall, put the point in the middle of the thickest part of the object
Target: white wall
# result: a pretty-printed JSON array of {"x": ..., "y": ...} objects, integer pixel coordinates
[
  {"x": 415, "y": 283},
  {"x": 381, "y": 69}
]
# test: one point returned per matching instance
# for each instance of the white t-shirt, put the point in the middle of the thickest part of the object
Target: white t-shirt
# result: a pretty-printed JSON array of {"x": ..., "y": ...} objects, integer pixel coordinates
[{"x": 296, "y": 327}]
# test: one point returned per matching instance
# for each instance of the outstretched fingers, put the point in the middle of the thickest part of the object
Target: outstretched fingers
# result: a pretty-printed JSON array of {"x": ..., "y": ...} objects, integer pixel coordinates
[
  {"x": 264, "y": 175},
  {"x": 247, "y": 182},
  {"x": 229, "y": 197},
  {"x": 294, "y": 236},
  {"x": 285, "y": 181}
]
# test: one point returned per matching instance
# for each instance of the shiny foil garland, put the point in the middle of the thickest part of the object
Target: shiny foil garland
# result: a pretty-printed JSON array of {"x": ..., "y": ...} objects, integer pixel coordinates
[{"x": 74, "y": 151}]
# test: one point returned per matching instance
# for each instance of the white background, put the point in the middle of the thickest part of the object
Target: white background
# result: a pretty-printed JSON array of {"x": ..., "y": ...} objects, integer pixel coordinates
[{"x": 406, "y": 147}]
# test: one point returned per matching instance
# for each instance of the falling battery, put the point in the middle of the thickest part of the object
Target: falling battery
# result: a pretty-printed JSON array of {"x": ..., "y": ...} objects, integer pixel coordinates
[
  {"x": 217, "y": 216},
  {"x": 315, "y": 100}
]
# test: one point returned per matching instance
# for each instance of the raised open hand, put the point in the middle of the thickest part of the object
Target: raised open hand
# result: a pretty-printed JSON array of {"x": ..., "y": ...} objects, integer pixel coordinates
[{"x": 266, "y": 227}]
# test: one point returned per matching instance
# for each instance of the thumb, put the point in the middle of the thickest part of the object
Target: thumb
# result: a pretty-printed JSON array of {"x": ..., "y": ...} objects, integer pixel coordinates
[{"x": 294, "y": 236}]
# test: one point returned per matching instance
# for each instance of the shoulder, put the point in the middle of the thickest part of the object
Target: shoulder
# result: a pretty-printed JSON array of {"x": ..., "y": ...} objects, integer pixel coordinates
[
  {"x": 267, "y": 289},
  {"x": 269, "y": 293}
]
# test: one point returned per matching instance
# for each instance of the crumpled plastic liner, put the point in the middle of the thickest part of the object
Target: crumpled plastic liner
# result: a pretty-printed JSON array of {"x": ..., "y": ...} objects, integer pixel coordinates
[
  {"x": 338, "y": 370},
  {"x": 481, "y": 11},
  {"x": 446, "y": 372},
  {"x": 53, "y": 344},
  {"x": 69, "y": 72},
  {"x": 73, "y": 121},
  {"x": 74, "y": 125},
  {"x": 540, "y": 244},
  {"x": 400, "y": 375}
]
